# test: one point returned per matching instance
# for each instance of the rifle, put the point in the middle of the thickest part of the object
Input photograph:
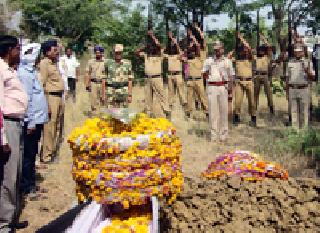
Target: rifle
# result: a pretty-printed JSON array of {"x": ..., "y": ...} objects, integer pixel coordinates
[{"x": 258, "y": 29}]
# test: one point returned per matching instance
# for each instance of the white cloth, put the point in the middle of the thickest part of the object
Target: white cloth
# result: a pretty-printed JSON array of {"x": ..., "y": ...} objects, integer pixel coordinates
[
  {"x": 69, "y": 66},
  {"x": 296, "y": 72},
  {"x": 219, "y": 69}
]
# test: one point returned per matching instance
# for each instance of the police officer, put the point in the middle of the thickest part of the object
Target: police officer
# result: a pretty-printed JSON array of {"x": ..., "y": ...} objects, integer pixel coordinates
[
  {"x": 244, "y": 83},
  {"x": 95, "y": 72},
  {"x": 218, "y": 72},
  {"x": 54, "y": 89},
  {"x": 117, "y": 86},
  {"x": 155, "y": 96},
  {"x": 195, "y": 86},
  {"x": 174, "y": 56},
  {"x": 299, "y": 73},
  {"x": 263, "y": 76}
]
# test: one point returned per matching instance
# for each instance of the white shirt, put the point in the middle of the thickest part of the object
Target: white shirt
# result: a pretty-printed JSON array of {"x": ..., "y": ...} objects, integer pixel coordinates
[
  {"x": 69, "y": 66},
  {"x": 219, "y": 69}
]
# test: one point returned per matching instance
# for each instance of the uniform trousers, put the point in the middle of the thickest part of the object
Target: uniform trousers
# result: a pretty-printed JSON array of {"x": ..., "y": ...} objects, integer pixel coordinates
[
  {"x": 175, "y": 82},
  {"x": 95, "y": 95},
  {"x": 258, "y": 82},
  {"x": 156, "y": 98},
  {"x": 299, "y": 99},
  {"x": 10, "y": 173},
  {"x": 218, "y": 111},
  {"x": 50, "y": 131},
  {"x": 195, "y": 90},
  {"x": 242, "y": 87}
]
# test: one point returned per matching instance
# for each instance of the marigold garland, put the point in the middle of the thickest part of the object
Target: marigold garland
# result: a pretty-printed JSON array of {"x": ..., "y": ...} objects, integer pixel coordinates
[{"x": 128, "y": 163}]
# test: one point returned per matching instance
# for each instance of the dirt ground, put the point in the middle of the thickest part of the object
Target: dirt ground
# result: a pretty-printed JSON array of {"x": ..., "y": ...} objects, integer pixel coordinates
[{"x": 197, "y": 151}]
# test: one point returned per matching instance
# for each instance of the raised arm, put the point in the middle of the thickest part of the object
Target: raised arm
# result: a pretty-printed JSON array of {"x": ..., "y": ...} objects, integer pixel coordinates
[
  {"x": 244, "y": 42},
  {"x": 264, "y": 39}
]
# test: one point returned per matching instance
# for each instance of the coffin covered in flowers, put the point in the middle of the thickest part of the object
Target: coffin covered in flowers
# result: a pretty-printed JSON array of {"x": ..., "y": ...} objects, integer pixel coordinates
[{"x": 126, "y": 158}]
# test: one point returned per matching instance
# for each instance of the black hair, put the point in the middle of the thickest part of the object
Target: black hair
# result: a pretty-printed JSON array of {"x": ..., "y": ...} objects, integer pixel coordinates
[
  {"x": 46, "y": 46},
  {"x": 68, "y": 47},
  {"x": 7, "y": 42},
  {"x": 171, "y": 49}
]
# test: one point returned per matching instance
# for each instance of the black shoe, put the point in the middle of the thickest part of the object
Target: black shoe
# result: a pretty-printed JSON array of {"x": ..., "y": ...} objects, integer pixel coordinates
[
  {"x": 19, "y": 225},
  {"x": 236, "y": 119},
  {"x": 253, "y": 122}
]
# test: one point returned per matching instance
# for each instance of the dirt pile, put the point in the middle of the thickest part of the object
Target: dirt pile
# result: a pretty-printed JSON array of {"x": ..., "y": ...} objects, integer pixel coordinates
[{"x": 232, "y": 205}]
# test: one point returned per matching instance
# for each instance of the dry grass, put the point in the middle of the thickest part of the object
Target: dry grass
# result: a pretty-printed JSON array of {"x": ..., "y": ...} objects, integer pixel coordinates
[{"x": 197, "y": 151}]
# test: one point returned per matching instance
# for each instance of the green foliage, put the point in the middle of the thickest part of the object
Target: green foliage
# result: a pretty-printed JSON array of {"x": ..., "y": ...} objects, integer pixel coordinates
[{"x": 278, "y": 88}]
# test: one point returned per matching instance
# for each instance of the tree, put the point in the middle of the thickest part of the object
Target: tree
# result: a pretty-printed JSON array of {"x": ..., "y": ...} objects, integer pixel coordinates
[{"x": 69, "y": 19}]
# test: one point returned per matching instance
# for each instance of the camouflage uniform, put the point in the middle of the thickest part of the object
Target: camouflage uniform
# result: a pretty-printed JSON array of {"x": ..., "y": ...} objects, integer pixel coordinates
[{"x": 117, "y": 81}]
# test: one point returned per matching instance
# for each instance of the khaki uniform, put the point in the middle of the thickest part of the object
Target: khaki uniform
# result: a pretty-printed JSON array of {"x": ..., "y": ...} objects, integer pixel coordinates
[
  {"x": 175, "y": 79},
  {"x": 243, "y": 83},
  {"x": 96, "y": 70},
  {"x": 156, "y": 98},
  {"x": 220, "y": 72},
  {"x": 299, "y": 92},
  {"x": 118, "y": 76},
  {"x": 54, "y": 88},
  {"x": 262, "y": 77},
  {"x": 195, "y": 87}
]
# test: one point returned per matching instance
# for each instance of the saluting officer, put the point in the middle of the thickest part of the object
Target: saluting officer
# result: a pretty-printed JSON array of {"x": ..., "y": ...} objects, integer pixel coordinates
[
  {"x": 244, "y": 83},
  {"x": 155, "y": 95},
  {"x": 174, "y": 56},
  {"x": 95, "y": 72},
  {"x": 299, "y": 72},
  {"x": 54, "y": 88},
  {"x": 117, "y": 86},
  {"x": 195, "y": 86},
  {"x": 263, "y": 76}
]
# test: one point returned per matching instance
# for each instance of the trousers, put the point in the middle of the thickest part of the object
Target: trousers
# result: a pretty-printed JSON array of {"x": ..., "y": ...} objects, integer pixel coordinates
[
  {"x": 218, "y": 112},
  {"x": 258, "y": 82},
  {"x": 195, "y": 90},
  {"x": 95, "y": 96},
  {"x": 300, "y": 102},
  {"x": 175, "y": 82},
  {"x": 10, "y": 177},
  {"x": 156, "y": 97},
  {"x": 242, "y": 87},
  {"x": 50, "y": 131}
]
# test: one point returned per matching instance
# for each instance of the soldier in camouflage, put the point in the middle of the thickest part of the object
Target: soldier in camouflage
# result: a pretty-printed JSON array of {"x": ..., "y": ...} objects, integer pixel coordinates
[{"x": 117, "y": 86}]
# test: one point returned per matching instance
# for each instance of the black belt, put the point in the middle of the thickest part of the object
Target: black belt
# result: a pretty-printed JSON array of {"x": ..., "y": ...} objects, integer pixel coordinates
[
  {"x": 174, "y": 72},
  {"x": 298, "y": 86},
  {"x": 96, "y": 80},
  {"x": 117, "y": 85},
  {"x": 193, "y": 78},
  {"x": 154, "y": 76},
  {"x": 12, "y": 119},
  {"x": 261, "y": 72},
  {"x": 56, "y": 93}
]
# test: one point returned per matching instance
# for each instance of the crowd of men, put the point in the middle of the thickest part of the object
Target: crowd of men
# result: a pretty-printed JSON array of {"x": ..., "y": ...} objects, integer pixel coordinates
[{"x": 34, "y": 81}]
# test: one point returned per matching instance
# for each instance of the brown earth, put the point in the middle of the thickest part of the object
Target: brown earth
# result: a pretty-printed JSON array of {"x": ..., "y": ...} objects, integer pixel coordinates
[{"x": 197, "y": 154}]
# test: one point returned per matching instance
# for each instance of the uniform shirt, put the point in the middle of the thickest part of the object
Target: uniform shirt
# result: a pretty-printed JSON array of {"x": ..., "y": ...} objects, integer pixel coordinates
[
  {"x": 243, "y": 68},
  {"x": 152, "y": 64},
  {"x": 219, "y": 69},
  {"x": 13, "y": 98},
  {"x": 296, "y": 73},
  {"x": 195, "y": 67},
  {"x": 96, "y": 69},
  {"x": 118, "y": 73},
  {"x": 50, "y": 76},
  {"x": 262, "y": 63},
  {"x": 37, "y": 112},
  {"x": 174, "y": 63},
  {"x": 69, "y": 66}
]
